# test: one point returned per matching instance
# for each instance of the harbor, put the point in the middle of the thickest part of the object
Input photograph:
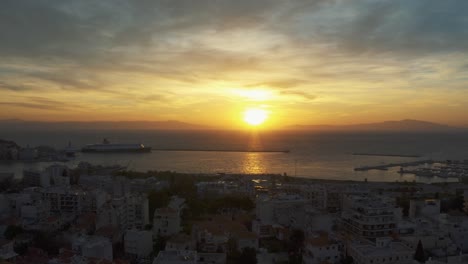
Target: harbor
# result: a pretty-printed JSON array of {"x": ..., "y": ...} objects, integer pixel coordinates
[
  {"x": 432, "y": 168},
  {"x": 390, "y": 165},
  {"x": 387, "y": 155}
]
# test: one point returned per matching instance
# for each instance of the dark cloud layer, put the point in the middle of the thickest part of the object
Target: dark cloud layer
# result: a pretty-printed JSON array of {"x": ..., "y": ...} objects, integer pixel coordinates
[
  {"x": 96, "y": 45},
  {"x": 88, "y": 29}
]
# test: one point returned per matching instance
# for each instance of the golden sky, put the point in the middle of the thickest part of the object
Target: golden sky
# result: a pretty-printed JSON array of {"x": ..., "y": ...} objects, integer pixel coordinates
[{"x": 207, "y": 62}]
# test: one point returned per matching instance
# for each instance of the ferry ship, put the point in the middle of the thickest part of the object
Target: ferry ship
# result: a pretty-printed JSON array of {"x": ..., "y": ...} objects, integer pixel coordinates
[{"x": 106, "y": 146}]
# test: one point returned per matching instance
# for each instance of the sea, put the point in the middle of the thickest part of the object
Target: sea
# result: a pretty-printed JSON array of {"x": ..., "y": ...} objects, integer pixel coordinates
[{"x": 315, "y": 155}]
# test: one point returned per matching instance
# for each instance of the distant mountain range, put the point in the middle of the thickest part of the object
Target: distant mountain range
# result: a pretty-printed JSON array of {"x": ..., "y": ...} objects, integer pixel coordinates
[
  {"x": 401, "y": 125},
  {"x": 406, "y": 125},
  {"x": 18, "y": 124}
]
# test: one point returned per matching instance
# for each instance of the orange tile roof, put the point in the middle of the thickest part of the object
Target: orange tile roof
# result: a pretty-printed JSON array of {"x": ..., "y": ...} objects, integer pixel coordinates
[{"x": 320, "y": 241}]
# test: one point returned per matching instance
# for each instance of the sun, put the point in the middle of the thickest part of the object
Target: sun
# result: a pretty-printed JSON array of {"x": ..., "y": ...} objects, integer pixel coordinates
[{"x": 255, "y": 117}]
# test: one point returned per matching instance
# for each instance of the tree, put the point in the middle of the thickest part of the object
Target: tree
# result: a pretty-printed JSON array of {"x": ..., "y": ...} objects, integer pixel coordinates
[
  {"x": 295, "y": 245},
  {"x": 347, "y": 260},
  {"x": 296, "y": 240},
  {"x": 248, "y": 256},
  {"x": 12, "y": 231},
  {"x": 232, "y": 252},
  {"x": 157, "y": 199},
  {"x": 419, "y": 254},
  {"x": 159, "y": 244}
]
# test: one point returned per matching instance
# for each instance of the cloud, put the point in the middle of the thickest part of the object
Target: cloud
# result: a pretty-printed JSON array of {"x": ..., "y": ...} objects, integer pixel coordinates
[
  {"x": 302, "y": 94},
  {"x": 41, "y": 103},
  {"x": 123, "y": 52},
  {"x": 29, "y": 105},
  {"x": 14, "y": 87},
  {"x": 92, "y": 30},
  {"x": 282, "y": 84},
  {"x": 418, "y": 27}
]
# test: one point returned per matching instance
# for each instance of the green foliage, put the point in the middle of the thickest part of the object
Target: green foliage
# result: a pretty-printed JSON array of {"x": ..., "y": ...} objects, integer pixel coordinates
[
  {"x": 12, "y": 231},
  {"x": 157, "y": 199},
  {"x": 197, "y": 207},
  {"x": 48, "y": 243},
  {"x": 5, "y": 184},
  {"x": 296, "y": 240},
  {"x": 232, "y": 252},
  {"x": 464, "y": 180},
  {"x": 419, "y": 254},
  {"x": 295, "y": 245},
  {"x": 159, "y": 244},
  {"x": 273, "y": 245},
  {"x": 21, "y": 249},
  {"x": 248, "y": 256},
  {"x": 240, "y": 202},
  {"x": 403, "y": 202},
  {"x": 452, "y": 203},
  {"x": 347, "y": 260}
]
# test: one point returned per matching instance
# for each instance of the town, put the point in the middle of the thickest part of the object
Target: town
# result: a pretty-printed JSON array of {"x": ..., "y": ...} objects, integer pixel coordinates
[{"x": 105, "y": 214}]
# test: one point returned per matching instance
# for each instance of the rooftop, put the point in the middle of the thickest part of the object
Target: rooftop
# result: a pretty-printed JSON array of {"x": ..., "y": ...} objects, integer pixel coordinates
[
  {"x": 179, "y": 256},
  {"x": 394, "y": 247}
]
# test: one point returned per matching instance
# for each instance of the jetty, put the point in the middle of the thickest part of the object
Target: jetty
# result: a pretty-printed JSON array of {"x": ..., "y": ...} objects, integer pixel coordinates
[
  {"x": 225, "y": 150},
  {"x": 386, "y": 155},
  {"x": 390, "y": 165}
]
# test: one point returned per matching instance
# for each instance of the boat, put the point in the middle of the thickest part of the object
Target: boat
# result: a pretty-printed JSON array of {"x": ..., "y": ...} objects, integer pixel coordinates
[
  {"x": 70, "y": 151},
  {"x": 107, "y": 147}
]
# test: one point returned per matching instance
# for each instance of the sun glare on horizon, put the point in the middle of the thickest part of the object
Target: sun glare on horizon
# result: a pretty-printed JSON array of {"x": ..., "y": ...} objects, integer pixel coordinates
[{"x": 255, "y": 116}]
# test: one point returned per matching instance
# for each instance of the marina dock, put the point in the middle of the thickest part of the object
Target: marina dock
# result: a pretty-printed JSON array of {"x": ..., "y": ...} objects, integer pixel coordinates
[
  {"x": 390, "y": 165},
  {"x": 386, "y": 155}
]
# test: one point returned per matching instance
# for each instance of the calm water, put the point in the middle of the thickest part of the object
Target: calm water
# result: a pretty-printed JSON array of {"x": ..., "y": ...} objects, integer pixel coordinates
[{"x": 313, "y": 155}]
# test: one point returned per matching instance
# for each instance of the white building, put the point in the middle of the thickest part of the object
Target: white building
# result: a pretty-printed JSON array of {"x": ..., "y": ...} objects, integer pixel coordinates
[
  {"x": 93, "y": 246},
  {"x": 166, "y": 222},
  {"x": 27, "y": 153},
  {"x": 213, "y": 235},
  {"x": 36, "y": 178},
  {"x": 211, "y": 258},
  {"x": 72, "y": 199},
  {"x": 180, "y": 242},
  {"x": 176, "y": 257},
  {"x": 137, "y": 210},
  {"x": 429, "y": 208},
  {"x": 285, "y": 210},
  {"x": 321, "y": 249},
  {"x": 54, "y": 175},
  {"x": 138, "y": 243},
  {"x": 226, "y": 187},
  {"x": 59, "y": 175},
  {"x": 460, "y": 259},
  {"x": 126, "y": 212},
  {"x": 6, "y": 250},
  {"x": 189, "y": 257},
  {"x": 147, "y": 184},
  {"x": 314, "y": 194},
  {"x": 34, "y": 213},
  {"x": 383, "y": 252},
  {"x": 369, "y": 216},
  {"x": 465, "y": 203},
  {"x": 177, "y": 203}
]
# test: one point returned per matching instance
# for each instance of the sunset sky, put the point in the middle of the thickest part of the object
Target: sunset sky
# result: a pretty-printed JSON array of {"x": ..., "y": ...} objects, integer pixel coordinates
[{"x": 209, "y": 61}]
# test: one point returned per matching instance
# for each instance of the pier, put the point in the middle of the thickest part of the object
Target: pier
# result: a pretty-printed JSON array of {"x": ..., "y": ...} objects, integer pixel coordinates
[
  {"x": 390, "y": 165},
  {"x": 225, "y": 150},
  {"x": 386, "y": 155}
]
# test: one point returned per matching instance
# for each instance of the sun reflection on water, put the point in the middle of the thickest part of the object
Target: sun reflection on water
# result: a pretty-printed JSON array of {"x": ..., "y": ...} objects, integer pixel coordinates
[{"x": 253, "y": 163}]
